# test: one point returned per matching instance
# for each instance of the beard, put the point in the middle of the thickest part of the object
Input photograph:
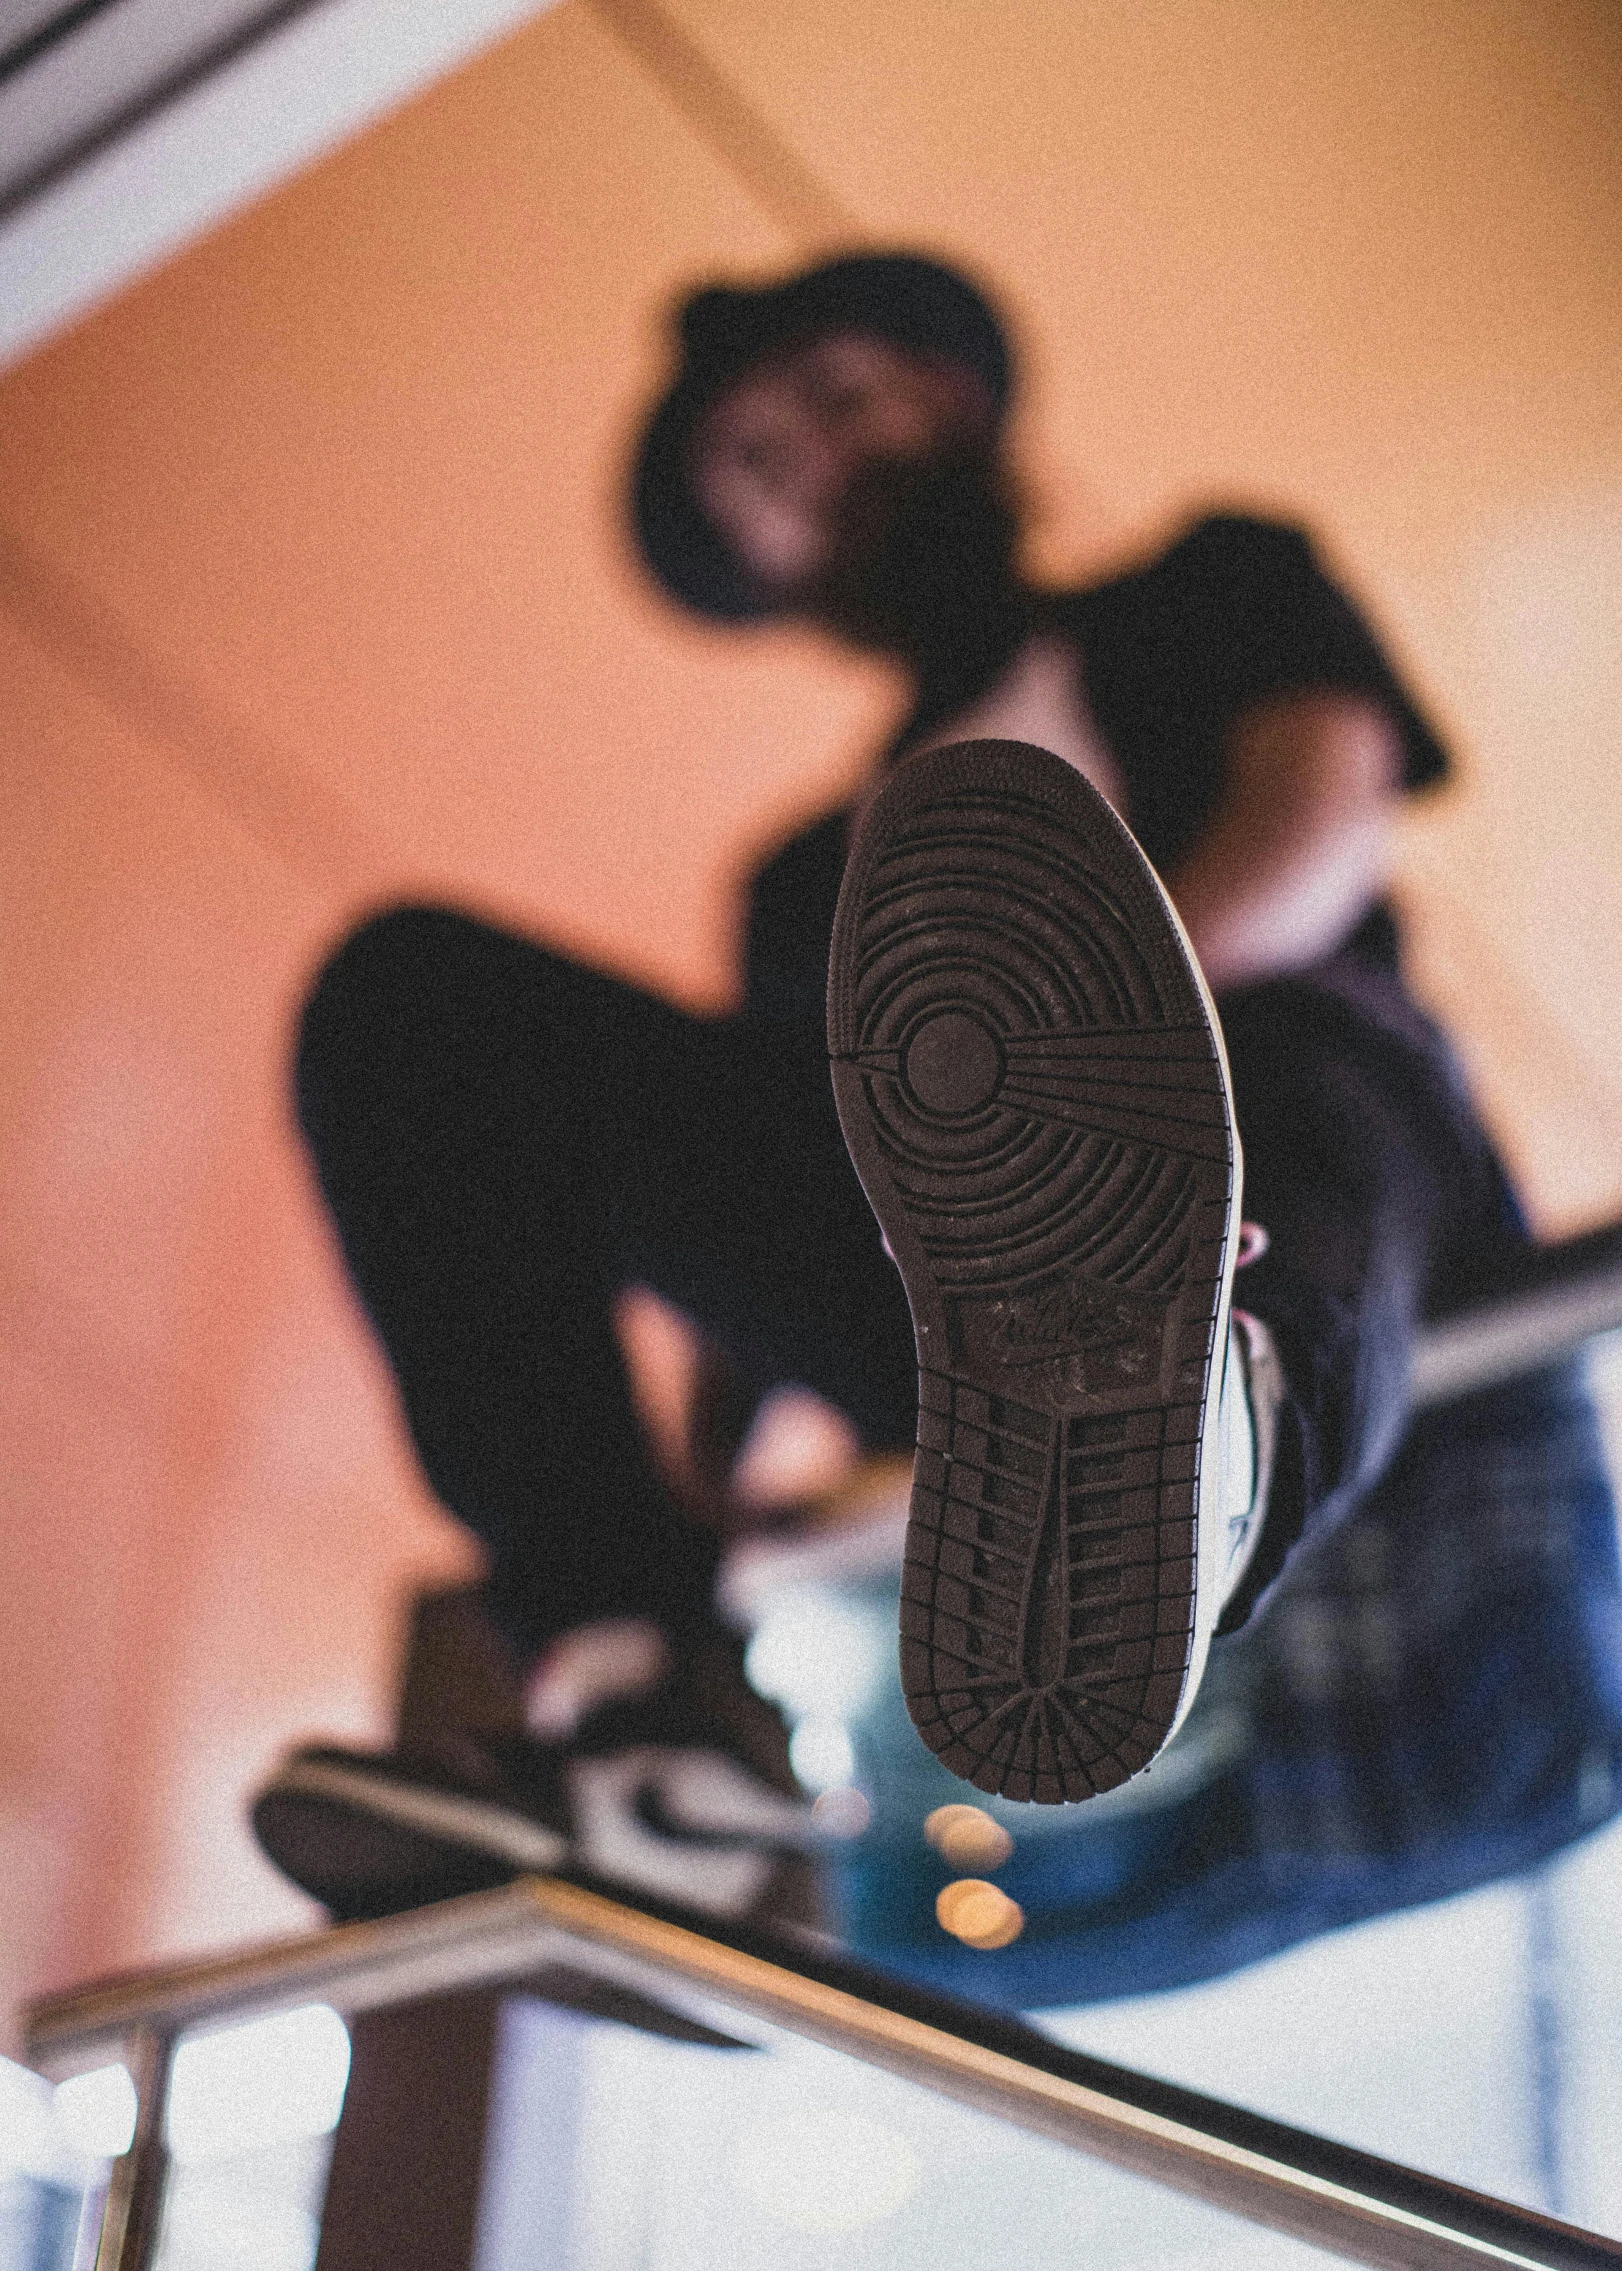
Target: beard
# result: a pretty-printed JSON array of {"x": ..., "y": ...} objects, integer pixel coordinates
[{"x": 922, "y": 566}]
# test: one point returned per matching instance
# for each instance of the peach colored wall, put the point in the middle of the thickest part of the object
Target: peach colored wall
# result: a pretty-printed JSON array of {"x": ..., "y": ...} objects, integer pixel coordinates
[{"x": 311, "y": 592}]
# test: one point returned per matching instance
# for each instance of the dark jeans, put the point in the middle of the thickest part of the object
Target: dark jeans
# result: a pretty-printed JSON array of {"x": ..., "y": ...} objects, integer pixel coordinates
[
  {"x": 506, "y": 1139},
  {"x": 1430, "y": 1699}
]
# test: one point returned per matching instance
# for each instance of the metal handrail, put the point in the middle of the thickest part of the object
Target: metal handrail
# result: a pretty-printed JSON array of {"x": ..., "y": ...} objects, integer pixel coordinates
[
  {"x": 1547, "y": 1304},
  {"x": 1355, "y": 2204},
  {"x": 1543, "y": 1305}
]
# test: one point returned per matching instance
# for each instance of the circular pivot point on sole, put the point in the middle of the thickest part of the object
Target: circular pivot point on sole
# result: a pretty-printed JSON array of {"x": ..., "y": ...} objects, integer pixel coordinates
[{"x": 954, "y": 1064}]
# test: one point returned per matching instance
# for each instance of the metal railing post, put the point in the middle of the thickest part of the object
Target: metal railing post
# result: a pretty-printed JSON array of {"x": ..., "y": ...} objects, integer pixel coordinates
[{"x": 134, "y": 2208}]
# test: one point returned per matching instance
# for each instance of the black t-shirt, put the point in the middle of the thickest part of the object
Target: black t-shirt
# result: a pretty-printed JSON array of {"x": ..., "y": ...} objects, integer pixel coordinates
[{"x": 1235, "y": 611}]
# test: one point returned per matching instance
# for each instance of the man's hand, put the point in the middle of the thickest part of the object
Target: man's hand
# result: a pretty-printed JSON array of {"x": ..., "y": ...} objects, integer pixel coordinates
[{"x": 1300, "y": 846}]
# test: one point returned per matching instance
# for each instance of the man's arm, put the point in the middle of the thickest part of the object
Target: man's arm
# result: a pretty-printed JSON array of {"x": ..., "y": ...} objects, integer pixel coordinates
[{"x": 1300, "y": 845}]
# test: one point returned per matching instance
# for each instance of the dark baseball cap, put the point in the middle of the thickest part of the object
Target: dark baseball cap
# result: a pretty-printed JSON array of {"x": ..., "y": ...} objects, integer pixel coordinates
[{"x": 722, "y": 331}]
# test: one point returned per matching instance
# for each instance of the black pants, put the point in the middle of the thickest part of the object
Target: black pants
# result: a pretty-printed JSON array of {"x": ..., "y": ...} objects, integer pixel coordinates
[{"x": 506, "y": 1139}]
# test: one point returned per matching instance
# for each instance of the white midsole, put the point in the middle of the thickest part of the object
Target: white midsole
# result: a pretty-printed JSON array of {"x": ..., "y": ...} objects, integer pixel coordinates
[
  {"x": 460, "y": 1821},
  {"x": 612, "y": 1842},
  {"x": 1210, "y": 1537}
]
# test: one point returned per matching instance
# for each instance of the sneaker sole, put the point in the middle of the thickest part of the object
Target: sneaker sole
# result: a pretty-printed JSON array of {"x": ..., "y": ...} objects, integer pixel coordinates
[
  {"x": 1032, "y": 1085},
  {"x": 365, "y": 1844}
]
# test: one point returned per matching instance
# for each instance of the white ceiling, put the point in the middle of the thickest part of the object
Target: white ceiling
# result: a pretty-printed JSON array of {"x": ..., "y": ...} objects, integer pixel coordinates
[
  {"x": 148, "y": 163},
  {"x": 18, "y": 18}
]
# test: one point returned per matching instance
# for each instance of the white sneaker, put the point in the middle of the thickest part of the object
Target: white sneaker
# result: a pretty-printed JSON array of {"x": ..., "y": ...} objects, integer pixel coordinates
[
  {"x": 650, "y": 1788},
  {"x": 1247, "y": 1442}
]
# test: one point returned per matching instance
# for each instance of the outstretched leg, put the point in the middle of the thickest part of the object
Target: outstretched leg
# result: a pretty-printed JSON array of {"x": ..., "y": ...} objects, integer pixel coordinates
[{"x": 1034, "y": 1085}]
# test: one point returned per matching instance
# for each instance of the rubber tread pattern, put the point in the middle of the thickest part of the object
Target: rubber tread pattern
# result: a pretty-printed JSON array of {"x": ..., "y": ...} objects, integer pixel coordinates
[{"x": 1035, "y": 1099}]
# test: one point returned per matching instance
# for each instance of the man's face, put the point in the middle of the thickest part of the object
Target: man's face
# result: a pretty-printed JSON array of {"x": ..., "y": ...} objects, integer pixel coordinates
[{"x": 780, "y": 458}]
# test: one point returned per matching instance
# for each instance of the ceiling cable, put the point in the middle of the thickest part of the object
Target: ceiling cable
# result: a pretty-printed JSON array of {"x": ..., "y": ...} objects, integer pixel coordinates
[{"x": 773, "y": 173}]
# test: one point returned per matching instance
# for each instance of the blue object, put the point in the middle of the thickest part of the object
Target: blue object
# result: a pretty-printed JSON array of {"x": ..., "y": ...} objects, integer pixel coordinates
[{"x": 1432, "y": 1698}]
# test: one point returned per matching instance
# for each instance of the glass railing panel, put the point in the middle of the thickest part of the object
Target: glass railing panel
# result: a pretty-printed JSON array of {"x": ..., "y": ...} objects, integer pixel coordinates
[
  {"x": 1426, "y": 1980},
  {"x": 609, "y": 2150},
  {"x": 551, "y": 2076},
  {"x": 51, "y": 2176},
  {"x": 1476, "y": 2038},
  {"x": 258, "y": 2209},
  {"x": 248, "y": 2136}
]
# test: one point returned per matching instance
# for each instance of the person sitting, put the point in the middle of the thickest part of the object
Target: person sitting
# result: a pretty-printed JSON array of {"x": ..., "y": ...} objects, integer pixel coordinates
[{"x": 1117, "y": 1481}]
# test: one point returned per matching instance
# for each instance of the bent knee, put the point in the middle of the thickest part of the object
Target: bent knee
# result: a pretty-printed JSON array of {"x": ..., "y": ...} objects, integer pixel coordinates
[{"x": 384, "y": 1007}]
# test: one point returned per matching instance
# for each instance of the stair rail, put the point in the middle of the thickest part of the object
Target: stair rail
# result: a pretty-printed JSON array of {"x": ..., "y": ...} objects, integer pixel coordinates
[{"x": 1355, "y": 2204}]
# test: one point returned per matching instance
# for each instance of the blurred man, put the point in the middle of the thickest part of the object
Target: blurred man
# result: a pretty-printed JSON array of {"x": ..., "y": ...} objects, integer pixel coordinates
[{"x": 1035, "y": 1085}]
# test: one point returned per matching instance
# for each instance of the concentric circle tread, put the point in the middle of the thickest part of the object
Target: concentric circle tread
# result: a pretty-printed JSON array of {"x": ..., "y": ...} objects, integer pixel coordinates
[{"x": 1060, "y": 1199}]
